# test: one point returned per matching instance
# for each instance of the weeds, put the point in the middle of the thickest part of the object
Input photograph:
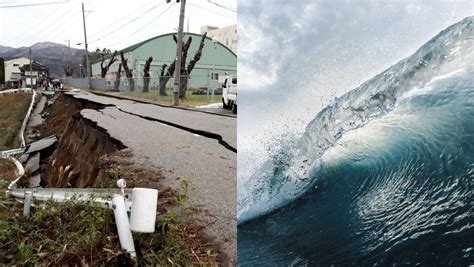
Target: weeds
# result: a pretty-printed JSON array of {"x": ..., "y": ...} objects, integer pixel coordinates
[
  {"x": 84, "y": 233},
  {"x": 12, "y": 111}
]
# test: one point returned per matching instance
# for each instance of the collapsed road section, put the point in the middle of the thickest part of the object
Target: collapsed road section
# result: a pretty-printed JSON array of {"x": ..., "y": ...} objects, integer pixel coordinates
[{"x": 183, "y": 144}]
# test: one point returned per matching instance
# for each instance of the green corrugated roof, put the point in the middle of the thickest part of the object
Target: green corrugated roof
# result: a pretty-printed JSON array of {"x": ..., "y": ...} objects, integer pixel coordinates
[{"x": 135, "y": 46}]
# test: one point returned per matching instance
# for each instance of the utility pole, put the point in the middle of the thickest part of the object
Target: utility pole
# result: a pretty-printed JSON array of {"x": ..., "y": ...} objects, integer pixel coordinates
[
  {"x": 69, "y": 51},
  {"x": 87, "y": 52},
  {"x": 179, "y": 52},
  {"x": 69, "y": 60},
  {"x": 31, "y": 70}
]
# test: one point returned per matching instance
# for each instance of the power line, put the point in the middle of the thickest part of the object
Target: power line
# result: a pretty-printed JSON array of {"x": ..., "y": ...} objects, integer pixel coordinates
[
  {"x": 120, "y": 19},
  {"x": 222, "y": 6},
  {"x": 73, "y": 21},
  {"x": 127, "y": 23},
  {"x": 212, "y": 11},
  {"x": 143, "y": 27},
  {"x": 70, "y": 21},
  {"x": 151, "y": 21},
  {"x": 41, "y": 21},
  {"x": 55, "y": 27},
  {"x": 37, "y": 4},
  {"x": 32, "y": 34}
]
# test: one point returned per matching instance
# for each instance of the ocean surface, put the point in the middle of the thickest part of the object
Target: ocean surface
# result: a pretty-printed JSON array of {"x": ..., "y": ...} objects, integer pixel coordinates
[{"x": 383, "y": 175}]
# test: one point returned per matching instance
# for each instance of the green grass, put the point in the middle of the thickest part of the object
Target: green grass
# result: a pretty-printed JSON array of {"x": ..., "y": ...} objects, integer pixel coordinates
[
  {"x": 12, "y": 112},
  {"x": 191, "y": 100}
]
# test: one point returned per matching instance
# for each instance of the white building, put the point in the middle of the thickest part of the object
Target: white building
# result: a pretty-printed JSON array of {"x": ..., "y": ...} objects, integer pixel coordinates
[
  {"x": 226, "y": 35},
  {"x": 13, "y": 66}
]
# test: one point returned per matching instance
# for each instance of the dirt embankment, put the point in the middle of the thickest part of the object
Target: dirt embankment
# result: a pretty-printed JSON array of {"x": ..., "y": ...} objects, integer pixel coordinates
[
  {"x": 74, "y": 162},
  {"x": 58, "y": 112}
]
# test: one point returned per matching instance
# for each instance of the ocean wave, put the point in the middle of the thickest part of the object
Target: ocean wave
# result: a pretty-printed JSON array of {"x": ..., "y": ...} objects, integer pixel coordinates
[{"x": 295, "y": 164}]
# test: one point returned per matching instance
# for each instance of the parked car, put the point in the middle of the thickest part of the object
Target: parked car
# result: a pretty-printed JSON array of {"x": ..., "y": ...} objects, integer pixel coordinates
[
  {"x": 200, "y": 91},
  {"x": 229, "y": 93},
  {"x": 218, "y": 91}
]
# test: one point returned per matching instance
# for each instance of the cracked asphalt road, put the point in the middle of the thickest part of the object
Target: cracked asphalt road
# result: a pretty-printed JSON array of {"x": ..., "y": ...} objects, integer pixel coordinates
[
  {"x": 222, "y": 125},
  {"x": 210, "y": 166}
]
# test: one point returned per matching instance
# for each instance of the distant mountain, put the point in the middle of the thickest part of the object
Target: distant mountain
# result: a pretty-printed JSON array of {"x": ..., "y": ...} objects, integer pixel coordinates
[{"x": 53, "y": 55}]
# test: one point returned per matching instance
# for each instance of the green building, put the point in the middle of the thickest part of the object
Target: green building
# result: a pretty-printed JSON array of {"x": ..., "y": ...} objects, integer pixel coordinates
[{"x": 216, "y": 58}]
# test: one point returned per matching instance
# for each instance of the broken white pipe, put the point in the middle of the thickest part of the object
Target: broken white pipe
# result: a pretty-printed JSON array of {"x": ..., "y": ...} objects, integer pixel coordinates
[
  {"x": 12, "y": 91},
  {"x": 11, "y": 152},
  {"x": 143, "y": 215},
  {"x": 25, "y": 121},
  {"x": 27, "y": 203},
  {"x": 123, "y": 225}
]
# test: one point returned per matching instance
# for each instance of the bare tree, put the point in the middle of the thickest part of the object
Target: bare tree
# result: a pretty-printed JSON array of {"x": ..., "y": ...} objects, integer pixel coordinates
[
  {"x": 117, "y": 81},
  {"x": 165, "y": 76},
  {"x": 68, "y": 70},
  {"x": 146, "y": 74},
  {"x": 183, "y": 85},
  {"x": 128, "y": 72},
  {"x": 105, "y": 69}
]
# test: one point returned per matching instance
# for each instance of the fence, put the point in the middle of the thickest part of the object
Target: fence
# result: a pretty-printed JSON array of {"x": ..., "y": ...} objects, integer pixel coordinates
[{"x": 136, "y": 87}]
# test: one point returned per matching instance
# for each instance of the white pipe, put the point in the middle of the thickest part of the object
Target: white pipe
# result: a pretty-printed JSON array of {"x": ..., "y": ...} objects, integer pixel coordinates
[
  {"x": 12, "y": 152},
  {"x": 143, "y": 215},
  {"x": 25, "y": 121},
  {"x": 12, "y": 91},
  {"x": 27, "y": 203},
  {"x": 123, "y": 225}
]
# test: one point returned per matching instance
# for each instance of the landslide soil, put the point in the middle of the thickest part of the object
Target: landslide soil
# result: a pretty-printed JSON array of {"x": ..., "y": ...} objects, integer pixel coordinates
[{"x": 80, "y": 144}]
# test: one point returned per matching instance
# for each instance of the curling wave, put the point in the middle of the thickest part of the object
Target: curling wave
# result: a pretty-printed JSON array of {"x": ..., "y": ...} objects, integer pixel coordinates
[
  {"x": 384, "y": 174},
  {"x": 295, "y": 167}
]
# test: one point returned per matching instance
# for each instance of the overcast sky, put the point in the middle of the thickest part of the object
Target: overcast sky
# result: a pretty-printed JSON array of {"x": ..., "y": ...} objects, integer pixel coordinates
[
  {"x": 113, "y": 24},
  {"x": 300, "y": 54}
]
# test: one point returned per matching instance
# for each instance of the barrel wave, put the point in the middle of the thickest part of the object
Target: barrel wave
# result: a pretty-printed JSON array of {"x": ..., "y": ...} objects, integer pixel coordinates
[{"x": 384, "y": 174}]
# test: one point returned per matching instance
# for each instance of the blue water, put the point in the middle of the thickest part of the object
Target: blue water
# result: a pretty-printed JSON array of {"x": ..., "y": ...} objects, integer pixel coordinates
[{"x": 384, "y": 175}]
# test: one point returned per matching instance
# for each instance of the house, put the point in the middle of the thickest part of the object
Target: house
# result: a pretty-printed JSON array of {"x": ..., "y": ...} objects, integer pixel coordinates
[
  {"x": 36, "y": 75},
  {"x": 12, "y": 69}
]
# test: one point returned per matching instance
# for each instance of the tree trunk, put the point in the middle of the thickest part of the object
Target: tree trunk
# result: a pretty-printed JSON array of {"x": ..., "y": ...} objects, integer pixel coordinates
[
  {"x": 163, "y": 81},
  {"x": 128, "y": 73},
  {"x": 183, "y": 85},
  {"x": 131, "y": 84},
  {"x": 117, "y": 80},
  {"x": 146, "y": 75},
  {"x": 166, "y": 76},
  {"x": 104, "y": 70},
  {"x": 68, "y": 70}
]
